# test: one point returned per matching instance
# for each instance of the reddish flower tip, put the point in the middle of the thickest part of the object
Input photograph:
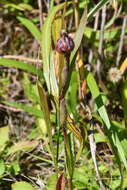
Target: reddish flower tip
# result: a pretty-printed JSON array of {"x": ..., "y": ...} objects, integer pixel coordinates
[{"x": 65, "y": 43}]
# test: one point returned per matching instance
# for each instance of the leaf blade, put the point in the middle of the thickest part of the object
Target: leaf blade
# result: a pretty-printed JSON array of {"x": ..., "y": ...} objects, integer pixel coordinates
[
  {"x": 31, "y": 27},
  {"x": 18, "y": 65}
]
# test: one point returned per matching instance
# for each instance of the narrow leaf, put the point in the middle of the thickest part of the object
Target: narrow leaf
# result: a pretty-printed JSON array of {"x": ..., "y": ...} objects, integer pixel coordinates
[
  {"x": 29, "y": 109},
  {"x": 19, "y": 65},
  {"x": 44, "y": 106},
  {"x": 31, "y": 27},
  {"x": 97, "y": 8}
]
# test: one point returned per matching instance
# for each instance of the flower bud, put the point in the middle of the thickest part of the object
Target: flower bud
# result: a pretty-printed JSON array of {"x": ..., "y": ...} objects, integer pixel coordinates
[{"x": 65, "y": 44}]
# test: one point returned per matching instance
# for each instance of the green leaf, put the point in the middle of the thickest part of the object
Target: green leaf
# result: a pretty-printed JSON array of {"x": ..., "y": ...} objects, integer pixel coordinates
[
  {"x": 96, "y": 8},
  {"x": 22, "y": 146},
  {"x": 20, "y": 6},
  {"x": 93, "y": 86},
  {"x": 30, "y": 89},
  {"x": 4, "y": 137},
  {"x": 108, "y": 34},
  {"x": 31, "y": 27},
  {"x": 2, "y": 167},
  {"x": 124, "y": 99},
  {"x": 19, "y": 65},
  {"x": 25, "y": 6},
  {"x": 70, "y": 157},
  {"x": 72, "y": 93},
  {"x": 22, "y": 185},
  {"x": 29, "y": 109},
  {"x": 15, "y": 168},
  {"x": 111, "y": 133},
  {"x": 45, "y": 109},
  {"x": 100, "y": 138}
]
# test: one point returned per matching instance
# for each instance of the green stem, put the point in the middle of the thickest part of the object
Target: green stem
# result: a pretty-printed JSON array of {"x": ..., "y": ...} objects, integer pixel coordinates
[{"x": 58, "y": 128}]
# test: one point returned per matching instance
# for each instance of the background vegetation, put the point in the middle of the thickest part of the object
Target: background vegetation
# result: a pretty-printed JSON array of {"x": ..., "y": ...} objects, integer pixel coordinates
[{"x": 63, "y": 116}]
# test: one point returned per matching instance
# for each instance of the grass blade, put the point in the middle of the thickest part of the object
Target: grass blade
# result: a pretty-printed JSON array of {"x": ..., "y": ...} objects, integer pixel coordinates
[
  {"x": 96, "y": 8},
  {"x": 29, "y": 109},
  {"x": 31, "y": 27},
  {"x": 19, "y": 65}
]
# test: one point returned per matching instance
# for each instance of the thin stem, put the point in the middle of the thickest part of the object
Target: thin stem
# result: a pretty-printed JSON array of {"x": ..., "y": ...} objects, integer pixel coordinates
[
  {"x": 63, "y": 16},
  {"x": 96, "y": 8},
  {"x": 40, "y": 13},
  {"x": 121, "y": 40},
  {"x": 95, "y": 28},
  {"x": 51, "y": 4},
  {"x": 58, "y": 128},
  {"x": 93, "y": 153},
  {"x": 76, "y": 13},
  {"x": 100, "y": 49}
]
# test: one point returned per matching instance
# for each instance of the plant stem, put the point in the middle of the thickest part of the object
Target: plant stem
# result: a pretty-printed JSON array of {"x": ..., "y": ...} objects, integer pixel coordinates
[
  {"x": 58, "y": 128},
  {"x": 70, "y": 184}
]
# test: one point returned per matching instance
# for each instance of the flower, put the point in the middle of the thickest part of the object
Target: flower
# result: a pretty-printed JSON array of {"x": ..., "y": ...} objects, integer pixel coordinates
[
  {"x": 65, "y": 43},
  {"x": 114, "y": 75}
]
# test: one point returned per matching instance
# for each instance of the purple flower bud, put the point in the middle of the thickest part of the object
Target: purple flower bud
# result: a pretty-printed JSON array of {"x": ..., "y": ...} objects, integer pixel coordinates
[{"x": 65, "y": 44}]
